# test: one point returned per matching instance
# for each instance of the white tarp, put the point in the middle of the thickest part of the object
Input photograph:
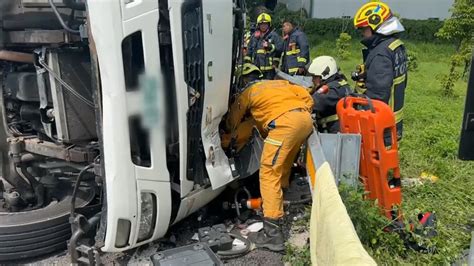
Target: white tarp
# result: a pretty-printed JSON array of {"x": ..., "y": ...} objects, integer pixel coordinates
[{"x": 333, "y": 239}]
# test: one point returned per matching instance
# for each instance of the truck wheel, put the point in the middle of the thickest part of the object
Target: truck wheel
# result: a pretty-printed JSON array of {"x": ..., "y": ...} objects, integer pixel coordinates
[{"x": 37, "y": 232}]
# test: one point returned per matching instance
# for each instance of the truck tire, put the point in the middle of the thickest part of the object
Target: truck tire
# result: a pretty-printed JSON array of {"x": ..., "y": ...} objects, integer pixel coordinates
[{"x": 38, "y": 232}]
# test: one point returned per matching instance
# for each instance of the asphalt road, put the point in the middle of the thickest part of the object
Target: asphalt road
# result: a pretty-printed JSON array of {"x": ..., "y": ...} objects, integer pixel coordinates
[
  {"x": 181, "y": 234},
  {"x": 141, "y": 256}
]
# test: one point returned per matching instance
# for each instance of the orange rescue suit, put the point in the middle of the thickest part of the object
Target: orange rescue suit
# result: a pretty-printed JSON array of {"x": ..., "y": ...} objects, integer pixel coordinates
[{"x": 283, "y": 112}]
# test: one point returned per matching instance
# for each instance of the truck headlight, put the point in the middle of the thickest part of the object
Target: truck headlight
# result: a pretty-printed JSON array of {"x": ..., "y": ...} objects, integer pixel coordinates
[{"x": 147, "y": 216}]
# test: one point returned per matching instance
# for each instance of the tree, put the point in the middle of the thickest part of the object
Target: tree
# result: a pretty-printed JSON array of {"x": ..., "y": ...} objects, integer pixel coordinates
[
  {"x": 255, "y": 7},
  {"x": 279, "y": 12},
  {"x": 459, "y": 28},
  {"x": 412, "y": 60},
  {"x": 342, "y": 44}
]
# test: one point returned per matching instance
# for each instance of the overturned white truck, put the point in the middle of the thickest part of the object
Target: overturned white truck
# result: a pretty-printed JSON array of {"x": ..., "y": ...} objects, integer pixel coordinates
[{"x": 111, "y": 109}]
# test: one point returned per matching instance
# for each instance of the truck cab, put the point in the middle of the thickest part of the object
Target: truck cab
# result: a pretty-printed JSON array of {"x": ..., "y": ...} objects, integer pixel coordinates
[{"x": 110, "y": 119}]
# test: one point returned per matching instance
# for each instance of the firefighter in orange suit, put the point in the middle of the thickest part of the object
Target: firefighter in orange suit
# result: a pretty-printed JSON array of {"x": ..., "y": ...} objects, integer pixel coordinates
[{"x": 283, "y": 112}]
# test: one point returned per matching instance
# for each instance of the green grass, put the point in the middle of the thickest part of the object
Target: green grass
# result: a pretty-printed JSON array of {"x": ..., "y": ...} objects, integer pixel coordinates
[{"x": 431, "y": 137}]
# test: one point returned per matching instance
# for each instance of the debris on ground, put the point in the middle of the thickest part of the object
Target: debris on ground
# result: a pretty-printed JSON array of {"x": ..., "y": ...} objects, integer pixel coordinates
[
  {"x": 222, "y": 227},
  {"x": 255, "y": 227},
  {"x": 429, "y": 177},
  {"x": 411, "y": 182},
  {"x": 141, "y": 256},
  {"x": 197, "y": 254},
  {"x": 424, "y": 177},
  {"x": 216, "y": 237}
]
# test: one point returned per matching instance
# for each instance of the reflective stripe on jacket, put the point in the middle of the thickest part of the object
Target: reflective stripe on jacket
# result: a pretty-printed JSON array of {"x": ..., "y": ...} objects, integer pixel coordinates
[
  {"x": 295, "y": 52},
  {"x": 267, "y": 100},
  {"x": 265, "y": 58},
  {"x": 386, "y": 66}
]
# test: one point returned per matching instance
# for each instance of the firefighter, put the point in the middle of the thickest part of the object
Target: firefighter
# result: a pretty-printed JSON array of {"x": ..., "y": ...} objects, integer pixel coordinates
[
  {"x": 295, "y": 49},
  {"x": 329, "y": 87},
  {"x": 383, "y": 76},
  {"x": 265, "y": 47},
  {"x": 282, "y": 113}
]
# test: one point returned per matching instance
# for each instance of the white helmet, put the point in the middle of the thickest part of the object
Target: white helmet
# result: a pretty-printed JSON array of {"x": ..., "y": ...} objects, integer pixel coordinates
[{"x": 323, "y": 66}]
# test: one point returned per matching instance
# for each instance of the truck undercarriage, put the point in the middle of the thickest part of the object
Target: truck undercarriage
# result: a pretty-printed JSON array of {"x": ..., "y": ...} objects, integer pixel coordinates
[{"x": 48, "y": 132}]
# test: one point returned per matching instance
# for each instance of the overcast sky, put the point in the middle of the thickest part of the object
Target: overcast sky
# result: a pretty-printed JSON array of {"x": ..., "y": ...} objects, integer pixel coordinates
[{"x": 411, "y": 9}]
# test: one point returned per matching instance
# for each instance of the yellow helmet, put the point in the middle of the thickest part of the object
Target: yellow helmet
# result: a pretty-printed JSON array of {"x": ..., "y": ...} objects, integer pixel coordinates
[
  {"x": 264, "y": 18},
  {"x": 248, "y": 68},
  {"x": 372, "y": 15}
]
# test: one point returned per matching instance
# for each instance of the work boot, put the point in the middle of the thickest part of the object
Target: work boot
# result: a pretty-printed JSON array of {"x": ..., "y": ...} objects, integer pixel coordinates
[{"x": 271, "y": 237}]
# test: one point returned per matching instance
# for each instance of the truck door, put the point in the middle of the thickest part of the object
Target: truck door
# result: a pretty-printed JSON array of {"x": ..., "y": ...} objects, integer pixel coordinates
[{"x": 218, "y": 29}]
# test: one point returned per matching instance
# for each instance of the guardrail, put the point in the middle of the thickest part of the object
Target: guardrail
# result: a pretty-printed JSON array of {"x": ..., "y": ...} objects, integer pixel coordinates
[{"x": 333, "y": 239}]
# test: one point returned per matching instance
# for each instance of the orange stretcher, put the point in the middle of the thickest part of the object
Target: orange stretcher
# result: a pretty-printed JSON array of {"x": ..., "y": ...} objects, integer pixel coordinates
[{"x": 379, "y": 163}]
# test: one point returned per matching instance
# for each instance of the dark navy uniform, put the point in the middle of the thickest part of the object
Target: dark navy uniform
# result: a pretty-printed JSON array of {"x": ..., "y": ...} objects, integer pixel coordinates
[
  {"x": 325, "y": 104},
  {"x": 385, "y": 61},
  {"x": 265, "y": 58},
  {"x": 295, "y": 52}
]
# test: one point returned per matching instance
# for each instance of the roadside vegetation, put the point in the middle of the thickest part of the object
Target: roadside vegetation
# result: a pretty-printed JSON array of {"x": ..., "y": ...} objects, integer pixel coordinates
[
  {"x": 433, "y": 178},
  {"x": 431, "y": 135}
]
